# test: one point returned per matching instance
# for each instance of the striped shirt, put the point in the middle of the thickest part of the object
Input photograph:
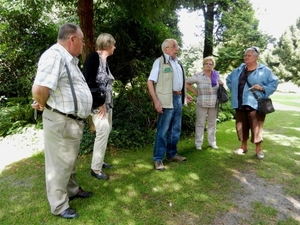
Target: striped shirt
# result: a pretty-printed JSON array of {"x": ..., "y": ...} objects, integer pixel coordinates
[
  {"x": 207, "y": 95},
  {"x": 52, "y": 73}
]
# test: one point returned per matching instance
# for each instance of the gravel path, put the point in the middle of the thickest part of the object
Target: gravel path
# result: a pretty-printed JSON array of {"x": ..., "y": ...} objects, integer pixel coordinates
[{"x": 20, "y": 146}]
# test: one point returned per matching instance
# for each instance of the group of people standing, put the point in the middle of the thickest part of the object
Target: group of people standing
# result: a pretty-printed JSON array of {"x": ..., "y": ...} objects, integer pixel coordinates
[
  {"x": 64, "y": 95},
  {"x": 167, "y": 86}
]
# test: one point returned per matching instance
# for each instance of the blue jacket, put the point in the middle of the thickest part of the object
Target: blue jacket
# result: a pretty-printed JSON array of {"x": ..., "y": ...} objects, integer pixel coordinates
[{"x": 262, "y": 76}]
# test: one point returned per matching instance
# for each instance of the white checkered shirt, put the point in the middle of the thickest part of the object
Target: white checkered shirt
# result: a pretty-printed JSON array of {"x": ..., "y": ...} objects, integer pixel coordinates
[{"x": 52, "y": 73}]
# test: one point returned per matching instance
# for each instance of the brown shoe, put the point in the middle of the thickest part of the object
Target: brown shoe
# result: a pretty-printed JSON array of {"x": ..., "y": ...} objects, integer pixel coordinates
[
  {"x": 177, "y": 158},
  {"x": 159, "y": 165}
]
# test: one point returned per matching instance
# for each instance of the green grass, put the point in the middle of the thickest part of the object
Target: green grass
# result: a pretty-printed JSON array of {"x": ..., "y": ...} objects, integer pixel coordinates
[{"x": 194, "y": 192}]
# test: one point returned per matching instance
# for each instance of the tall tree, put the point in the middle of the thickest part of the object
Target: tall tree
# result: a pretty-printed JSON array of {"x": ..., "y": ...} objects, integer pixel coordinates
[
  {"x": 230, "y": 25},
  {"x": 86, "y": 20},
  {"x": 212, "y": 12},
  {"x": 25, "y": 32},
  {"x": 238, "y": 30},
  {"x": 138, "y": 35},
  {"x": 209, "y": 19},
  {"x": 284, "y": 60}
]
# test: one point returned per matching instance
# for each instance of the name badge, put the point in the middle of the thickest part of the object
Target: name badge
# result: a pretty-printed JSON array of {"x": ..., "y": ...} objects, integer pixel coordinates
[{"x": 167, "y": 70}]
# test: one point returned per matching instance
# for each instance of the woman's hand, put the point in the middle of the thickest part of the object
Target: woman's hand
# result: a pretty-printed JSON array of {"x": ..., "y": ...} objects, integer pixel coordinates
[
  {"x": 257, "y": 87},
  {"x": 102, "y": 111},
  {"x": 189, "y": 98}
]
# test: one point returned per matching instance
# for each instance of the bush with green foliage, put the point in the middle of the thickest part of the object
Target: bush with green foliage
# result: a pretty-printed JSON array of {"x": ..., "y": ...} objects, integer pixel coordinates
[
  {"x": 22, "y": 40},
  {"x": 14, "y": 115},
  {"x": 135, "y": 118}
]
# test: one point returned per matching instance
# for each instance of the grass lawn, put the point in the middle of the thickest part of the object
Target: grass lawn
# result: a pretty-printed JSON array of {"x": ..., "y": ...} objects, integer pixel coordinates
[{"x": 193, "y": 192}]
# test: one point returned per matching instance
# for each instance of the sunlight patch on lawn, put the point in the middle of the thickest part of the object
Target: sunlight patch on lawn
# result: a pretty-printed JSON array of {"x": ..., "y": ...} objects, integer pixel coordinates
[
  {"x": 282, "y": 139},
  {"x": 283, "y": 107},
  {"x": 194, "y": 176}
]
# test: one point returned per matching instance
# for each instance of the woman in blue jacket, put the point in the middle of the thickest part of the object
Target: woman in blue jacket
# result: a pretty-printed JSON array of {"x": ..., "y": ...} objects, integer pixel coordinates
[{"x": 250, "y": 76}]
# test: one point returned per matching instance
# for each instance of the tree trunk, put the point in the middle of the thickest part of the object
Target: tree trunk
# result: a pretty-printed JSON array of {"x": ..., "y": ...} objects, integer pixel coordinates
[
  {"x": 209, "y": 30},
  {"x": 86, "y": 20}
]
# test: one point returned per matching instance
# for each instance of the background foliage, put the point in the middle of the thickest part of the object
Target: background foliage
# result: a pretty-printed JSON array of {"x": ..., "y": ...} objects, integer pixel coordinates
[
  {"x": 29, "y": 27},
  {"x": 22, "y": 39}
]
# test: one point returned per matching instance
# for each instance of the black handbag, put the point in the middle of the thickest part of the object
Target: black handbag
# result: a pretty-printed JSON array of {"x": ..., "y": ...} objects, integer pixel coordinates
[
  {"x": 222, "y": 94},
  {"x": 99, "y": 97},
  {"x": 265, "y": 105}
]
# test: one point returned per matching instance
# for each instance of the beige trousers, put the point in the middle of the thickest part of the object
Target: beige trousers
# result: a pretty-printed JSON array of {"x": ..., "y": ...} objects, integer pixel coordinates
[
  {"x": 203, "y": 113},
  {"x": 62, "y": 136},
  {"x": 103, "y": 128}
]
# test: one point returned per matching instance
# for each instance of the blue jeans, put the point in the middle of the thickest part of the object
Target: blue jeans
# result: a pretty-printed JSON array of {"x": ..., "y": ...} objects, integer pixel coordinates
[{"x": 168, "y": 130}]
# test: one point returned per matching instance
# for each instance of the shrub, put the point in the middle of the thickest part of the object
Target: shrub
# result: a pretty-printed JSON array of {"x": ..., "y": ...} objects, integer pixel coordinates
[
  {"x": 134, "y": 116},
  {"x": 14, "y": 115},
  {"x": 87, "y": 142}
]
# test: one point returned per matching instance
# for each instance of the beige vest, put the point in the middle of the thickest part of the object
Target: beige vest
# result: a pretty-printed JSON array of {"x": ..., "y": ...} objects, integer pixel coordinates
[{"x": 164, "y": 85}]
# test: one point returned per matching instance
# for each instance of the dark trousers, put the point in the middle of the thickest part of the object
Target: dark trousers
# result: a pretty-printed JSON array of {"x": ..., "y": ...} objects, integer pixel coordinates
[{"x": 249, "y": 121}]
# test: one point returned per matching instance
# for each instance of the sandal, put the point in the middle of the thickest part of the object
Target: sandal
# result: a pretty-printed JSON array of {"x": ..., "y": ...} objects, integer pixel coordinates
[
  {"x": 240, "y": 151},
  {"x": 260, "y": 155}
]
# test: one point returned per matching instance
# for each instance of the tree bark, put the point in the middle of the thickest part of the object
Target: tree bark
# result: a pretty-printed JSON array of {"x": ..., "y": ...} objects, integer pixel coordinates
[
  {"x": 86, "y": 20},
  {"x": 209, "y": 30}
]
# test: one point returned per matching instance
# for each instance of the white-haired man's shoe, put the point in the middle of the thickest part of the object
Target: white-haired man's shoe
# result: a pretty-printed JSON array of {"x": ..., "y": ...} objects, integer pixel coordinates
[{"x": 159, "y": 165}]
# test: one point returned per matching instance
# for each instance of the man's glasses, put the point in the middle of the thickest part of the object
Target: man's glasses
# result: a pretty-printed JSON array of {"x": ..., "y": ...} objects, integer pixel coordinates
[
  {"x": 177, "y": 47},
  {"x": 81, "y": 39}
]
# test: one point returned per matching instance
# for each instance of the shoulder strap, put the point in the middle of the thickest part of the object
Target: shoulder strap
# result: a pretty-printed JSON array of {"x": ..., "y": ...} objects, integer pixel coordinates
[
  {"x": 255, "y": 95},
  {"x": 72, "y": 89},
  {"x": 71, "y": 84}
]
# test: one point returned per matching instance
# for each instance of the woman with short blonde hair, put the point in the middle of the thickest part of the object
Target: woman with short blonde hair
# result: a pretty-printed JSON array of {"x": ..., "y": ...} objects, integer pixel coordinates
[
  {"x": 98, "y": 75},
  {"x": 207, "y": 82}
]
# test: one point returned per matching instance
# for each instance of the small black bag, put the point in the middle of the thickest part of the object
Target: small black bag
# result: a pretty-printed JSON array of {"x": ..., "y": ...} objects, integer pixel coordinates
[
  {"x": 265, "y": 106},
  {"x": 222, "y": 94},
  {"x": 99, "y": 97}
]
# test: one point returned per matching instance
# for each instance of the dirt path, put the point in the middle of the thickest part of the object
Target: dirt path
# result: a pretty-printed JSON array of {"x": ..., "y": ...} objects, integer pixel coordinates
[{"x": 256, "y": 189}]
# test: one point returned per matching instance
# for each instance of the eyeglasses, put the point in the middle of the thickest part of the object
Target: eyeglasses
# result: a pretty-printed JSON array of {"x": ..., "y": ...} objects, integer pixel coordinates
[
  {"x": 81, "y": 39},
  {"x": 209, "y": 64},
  {"x": 256, "y": 49},
  {"x": 173, "y": 47}
]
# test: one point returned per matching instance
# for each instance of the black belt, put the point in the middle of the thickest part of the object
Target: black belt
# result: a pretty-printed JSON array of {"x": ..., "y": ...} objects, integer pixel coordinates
[{"x": 64, "y": 114}]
